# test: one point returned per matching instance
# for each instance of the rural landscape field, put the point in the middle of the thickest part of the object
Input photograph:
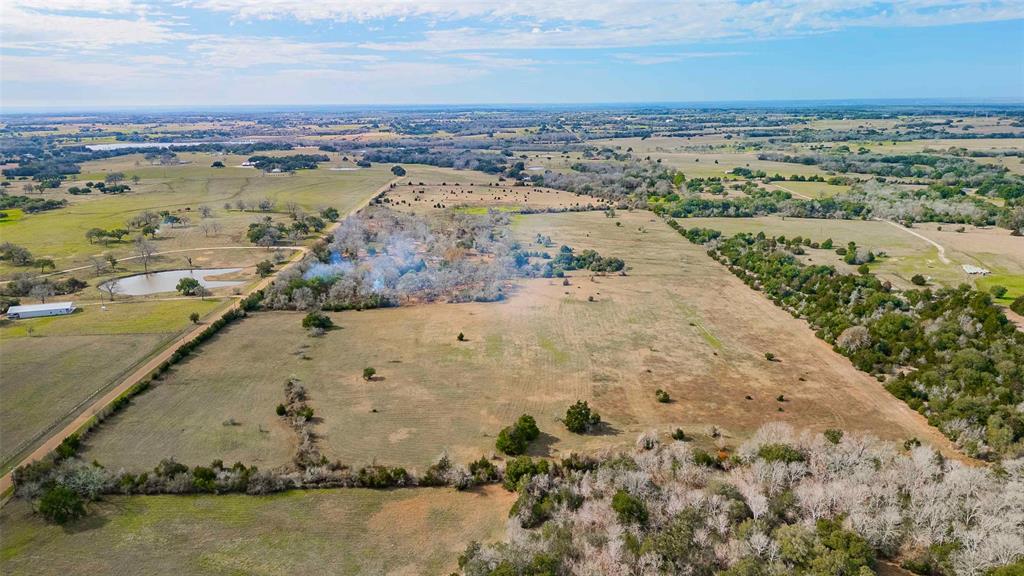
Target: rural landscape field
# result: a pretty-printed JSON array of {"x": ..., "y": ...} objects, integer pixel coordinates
[{"x": 243, "y": 332}]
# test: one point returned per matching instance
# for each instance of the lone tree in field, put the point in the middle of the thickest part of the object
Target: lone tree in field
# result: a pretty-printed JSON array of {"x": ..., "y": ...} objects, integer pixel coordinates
[
  {"x": 369, "y": 373},
  {"x": 461, "y": 337},
  {"x": 317, "y": 320},
  {"x": 111, "y": 287},
  {"x": 194, "y": 317},
  {"x": 41, "y": 291},
  {"x": 98, "y": 264},
  {"x": 398, "y": 170},
  {"x": 145, "y": 250},
  {"x": 45, "y": 263},
  {"x": 580, "y": 419},
  {"x": 515, "y": 439},
  {"x": 918, "y": 280}
]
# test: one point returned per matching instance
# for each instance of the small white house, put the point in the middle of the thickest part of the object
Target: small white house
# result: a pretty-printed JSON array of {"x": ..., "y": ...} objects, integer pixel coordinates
[{"x": 40, "y": 310}]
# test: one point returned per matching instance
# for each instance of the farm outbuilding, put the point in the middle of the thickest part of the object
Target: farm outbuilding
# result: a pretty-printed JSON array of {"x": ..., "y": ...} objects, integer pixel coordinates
[{"x": 39, "y": 310}]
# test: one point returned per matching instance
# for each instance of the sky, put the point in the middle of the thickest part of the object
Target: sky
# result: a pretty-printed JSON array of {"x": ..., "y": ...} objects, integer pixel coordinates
[{"x": 88, "y": 54}]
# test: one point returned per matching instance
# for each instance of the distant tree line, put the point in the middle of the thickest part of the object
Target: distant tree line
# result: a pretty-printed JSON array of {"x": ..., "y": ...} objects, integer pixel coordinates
[
  {"x": 288, "y": 163},
  {"x": 30, "y": 205}
]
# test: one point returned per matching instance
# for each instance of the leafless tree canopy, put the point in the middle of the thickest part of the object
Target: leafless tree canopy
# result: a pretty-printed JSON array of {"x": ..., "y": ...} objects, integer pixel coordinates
[{"x": 763, "y": 509}]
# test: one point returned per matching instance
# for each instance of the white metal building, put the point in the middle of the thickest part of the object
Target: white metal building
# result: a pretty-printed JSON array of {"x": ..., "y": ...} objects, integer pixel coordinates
[{"x": 39, "y": 310}]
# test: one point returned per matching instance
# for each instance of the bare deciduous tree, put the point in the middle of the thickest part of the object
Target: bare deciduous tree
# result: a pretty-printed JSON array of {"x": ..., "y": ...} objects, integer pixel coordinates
[
  {"x": 111, "y": 287},
  {"x": 145, "y": 250},
  {"x": 41, "y": 291},
  {"x": 99, "y": 264}
]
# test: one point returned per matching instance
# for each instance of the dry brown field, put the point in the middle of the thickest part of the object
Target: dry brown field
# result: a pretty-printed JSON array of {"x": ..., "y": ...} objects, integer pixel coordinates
[{"x": 676, "y": 321}]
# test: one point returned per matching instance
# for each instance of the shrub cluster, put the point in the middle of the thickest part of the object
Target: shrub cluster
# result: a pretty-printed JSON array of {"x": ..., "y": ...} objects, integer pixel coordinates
[
  {"x": 515, "y": 439},
  {"x": 580, "y": 419}
]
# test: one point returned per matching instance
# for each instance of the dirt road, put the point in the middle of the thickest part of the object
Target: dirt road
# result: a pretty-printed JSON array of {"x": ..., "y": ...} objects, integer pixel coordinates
[
  {"x": 941, "y": 249},
  {"x": 793, "y": 192},
  {"x": 138, "y": 375}
]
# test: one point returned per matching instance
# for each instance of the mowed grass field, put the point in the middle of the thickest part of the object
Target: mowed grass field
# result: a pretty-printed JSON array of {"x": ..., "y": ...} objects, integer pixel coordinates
[
  {"x": 404, "y": 532},
  {"x": 990, "y": 248},
  {"x": 181, "y": 189},
  {"x": 479, "y": 199},
  {"x": 677, "y": 321},
  {"x": 51, "y": 365},
  {"x": 811, "y": 189},
  {"x": 683, "y": 154}
]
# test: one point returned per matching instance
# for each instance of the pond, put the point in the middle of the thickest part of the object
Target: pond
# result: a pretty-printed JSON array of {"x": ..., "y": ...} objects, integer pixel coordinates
[{"x": 143, "y": 284}]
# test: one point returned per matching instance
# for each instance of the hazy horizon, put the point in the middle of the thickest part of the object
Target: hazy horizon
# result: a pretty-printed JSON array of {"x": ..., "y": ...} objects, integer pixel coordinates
[{"x": 853, "y": 103}]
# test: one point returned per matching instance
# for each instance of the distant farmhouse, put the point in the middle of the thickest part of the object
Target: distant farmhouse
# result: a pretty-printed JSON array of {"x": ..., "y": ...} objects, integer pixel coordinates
[{"x": 40, "y": 310}]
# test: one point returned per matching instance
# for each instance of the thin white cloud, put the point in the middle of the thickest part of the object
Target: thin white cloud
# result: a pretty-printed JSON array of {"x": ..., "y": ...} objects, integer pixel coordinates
[
  {"x": 654, "y": 59},
  {"x": 26, "y": 27},
  {"x": 157, "y": 60},
  {"x": 83, "y": 83},
  {"x": 533, "y": 24},
  {"x": 75, "y": 72},
  {"x": 501, "y": 62},
  {"x": 101, "y": 6},
  {"x": 249, "y": 51}
]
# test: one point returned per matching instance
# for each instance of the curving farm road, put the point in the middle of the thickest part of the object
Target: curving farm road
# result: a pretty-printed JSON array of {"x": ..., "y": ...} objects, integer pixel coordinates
[{"x": 942, "y": 250}]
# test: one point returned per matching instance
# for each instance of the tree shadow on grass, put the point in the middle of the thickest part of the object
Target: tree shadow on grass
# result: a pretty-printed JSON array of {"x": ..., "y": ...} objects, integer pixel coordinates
[
  {"x": 541, "y": 447},
  {"x": 90, "y": 522},
  {"x": 604, "y": 429}
]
